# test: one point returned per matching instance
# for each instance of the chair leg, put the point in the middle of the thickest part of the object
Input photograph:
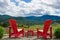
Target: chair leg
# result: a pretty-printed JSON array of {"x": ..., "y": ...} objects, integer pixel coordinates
[
  {"x": 9, "y": 36},
  {"x": 51, "y": 32},
  {"x": 44, "y": 36},
  {"x": 23, "y": 32},
  {"x": 37, "y": 36},
  {"x": 51, "y": 36},
  {"x": 23, "y": 35},
  {"x": 27, "y": 34},
  {"x": 32, "y": 33},
  {"x": 16, "y": 35}
]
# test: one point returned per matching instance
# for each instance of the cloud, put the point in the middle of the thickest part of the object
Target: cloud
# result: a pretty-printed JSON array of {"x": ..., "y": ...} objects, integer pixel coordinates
[{"x": 33, "y": 8}]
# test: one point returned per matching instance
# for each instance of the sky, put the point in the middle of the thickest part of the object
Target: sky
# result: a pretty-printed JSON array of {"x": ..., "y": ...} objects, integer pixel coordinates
[{"x": 29, "y": 7}]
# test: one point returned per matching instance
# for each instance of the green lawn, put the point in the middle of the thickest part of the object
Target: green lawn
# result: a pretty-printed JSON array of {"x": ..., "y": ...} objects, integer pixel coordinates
[{"x": 54, "y": 26}]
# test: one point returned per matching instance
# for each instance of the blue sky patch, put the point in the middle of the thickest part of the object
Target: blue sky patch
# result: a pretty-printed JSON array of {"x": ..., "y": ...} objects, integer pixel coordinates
[
  {"x": 27, "y": 1},
  {"x": 16, "y": 3}
]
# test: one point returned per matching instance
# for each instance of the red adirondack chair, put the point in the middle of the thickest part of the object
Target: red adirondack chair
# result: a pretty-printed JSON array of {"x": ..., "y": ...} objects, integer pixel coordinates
[
  {"x": 13, "y": 27},
  {"x": 44, "y": 33}
]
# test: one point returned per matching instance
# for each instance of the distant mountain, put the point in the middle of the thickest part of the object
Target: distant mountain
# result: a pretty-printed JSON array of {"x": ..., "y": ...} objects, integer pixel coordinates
[
  {"x": 5, "y": 18},
  {"x": 30, "y": 19},
  {"x": 20, "y": 20},
  {"x": 43, "y": 18}
]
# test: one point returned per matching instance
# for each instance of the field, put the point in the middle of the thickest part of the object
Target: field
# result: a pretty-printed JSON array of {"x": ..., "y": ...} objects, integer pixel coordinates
[{"x": 33, "y": 27}]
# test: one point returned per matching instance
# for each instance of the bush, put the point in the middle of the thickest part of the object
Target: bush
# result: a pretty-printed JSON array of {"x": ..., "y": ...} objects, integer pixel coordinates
[
  {"x": 4, "y": 24},
  {"x": 1, "y": 32},
  {"x": 57, "y": 33}
]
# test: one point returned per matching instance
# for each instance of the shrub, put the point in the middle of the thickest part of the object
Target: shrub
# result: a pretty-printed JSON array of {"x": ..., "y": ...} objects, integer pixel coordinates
[
  {"x": 57, "y": 33},
  {"x": 4, "y": 24},
  {"x": 1, "y": 32}
]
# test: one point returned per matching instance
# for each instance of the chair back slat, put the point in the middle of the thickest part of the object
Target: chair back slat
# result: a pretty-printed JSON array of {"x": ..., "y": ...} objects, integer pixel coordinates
[
  {"x": 47, "y": 25},
  {"x": 13, "y": 25}
]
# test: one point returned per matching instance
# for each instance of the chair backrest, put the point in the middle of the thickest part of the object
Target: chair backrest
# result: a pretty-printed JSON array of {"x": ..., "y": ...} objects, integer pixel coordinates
[
  {"x": 13, "y": 25},
  {"x": 47, "y": 25}
]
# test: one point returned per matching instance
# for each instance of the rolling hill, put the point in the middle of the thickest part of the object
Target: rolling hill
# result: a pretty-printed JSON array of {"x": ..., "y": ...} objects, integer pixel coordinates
[
  {"x": 29, "y": 19},
  {"x": 43, "y": 18}
]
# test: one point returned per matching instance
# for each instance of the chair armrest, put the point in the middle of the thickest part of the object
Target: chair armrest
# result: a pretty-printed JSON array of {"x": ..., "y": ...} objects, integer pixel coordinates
[{"x": 21, "y": 30}]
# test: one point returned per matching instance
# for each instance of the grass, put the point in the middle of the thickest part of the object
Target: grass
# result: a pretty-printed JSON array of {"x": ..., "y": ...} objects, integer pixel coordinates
[
  {"x": 54, "y": 26},
  {"x": 36, "y": 26}
]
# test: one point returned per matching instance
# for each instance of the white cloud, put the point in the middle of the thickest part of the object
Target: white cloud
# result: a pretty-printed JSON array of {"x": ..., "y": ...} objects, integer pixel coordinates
[{"x": 34, "y": 8}]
